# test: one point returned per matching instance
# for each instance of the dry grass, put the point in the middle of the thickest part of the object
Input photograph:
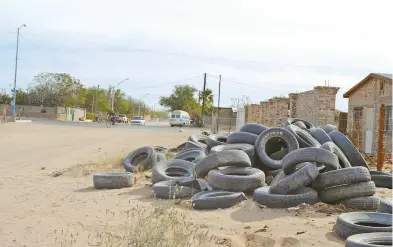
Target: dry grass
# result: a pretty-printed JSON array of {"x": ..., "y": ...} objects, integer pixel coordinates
[{"x": 163, "y": 227}]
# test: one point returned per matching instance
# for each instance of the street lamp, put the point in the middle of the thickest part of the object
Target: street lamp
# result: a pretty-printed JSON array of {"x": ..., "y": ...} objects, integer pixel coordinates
[
  {"x": 16, "y": 71},
  {"x": 113, "y": 91}
]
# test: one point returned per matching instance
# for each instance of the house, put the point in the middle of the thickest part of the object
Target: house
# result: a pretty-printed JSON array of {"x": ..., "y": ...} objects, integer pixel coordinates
[{"x": 365, "y": 100}]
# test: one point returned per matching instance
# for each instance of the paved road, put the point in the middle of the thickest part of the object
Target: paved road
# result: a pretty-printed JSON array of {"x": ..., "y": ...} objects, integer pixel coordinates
[{"x": 153, "y": 125}]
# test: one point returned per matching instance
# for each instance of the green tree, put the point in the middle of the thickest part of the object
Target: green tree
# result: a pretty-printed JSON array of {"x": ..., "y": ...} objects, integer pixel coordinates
[
  {"x": 182, "y": 98},
  {"x": 209, "y": 98}
]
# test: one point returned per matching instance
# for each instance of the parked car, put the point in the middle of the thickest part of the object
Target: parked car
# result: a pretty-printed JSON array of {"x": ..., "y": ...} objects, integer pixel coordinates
[
  {"x": 179, "y": 118},
  {"x": 138, "y": 120},
  {"x": 122, "y": 118}
]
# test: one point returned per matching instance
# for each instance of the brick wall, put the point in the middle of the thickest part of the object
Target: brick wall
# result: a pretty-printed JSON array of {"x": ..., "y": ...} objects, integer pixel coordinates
[{"x": 316, "y": 106}]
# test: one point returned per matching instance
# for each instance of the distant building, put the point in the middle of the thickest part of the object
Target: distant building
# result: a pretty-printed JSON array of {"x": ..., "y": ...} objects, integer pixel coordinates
[{"x": 365, "y": 99}]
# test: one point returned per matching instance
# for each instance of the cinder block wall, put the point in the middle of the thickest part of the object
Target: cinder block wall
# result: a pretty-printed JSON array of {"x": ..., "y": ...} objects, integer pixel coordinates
[{"x": 316, "y": 106}]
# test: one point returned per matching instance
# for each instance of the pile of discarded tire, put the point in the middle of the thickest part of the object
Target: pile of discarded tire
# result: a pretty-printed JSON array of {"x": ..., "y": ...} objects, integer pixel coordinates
[{"x": 302, "y": 163}]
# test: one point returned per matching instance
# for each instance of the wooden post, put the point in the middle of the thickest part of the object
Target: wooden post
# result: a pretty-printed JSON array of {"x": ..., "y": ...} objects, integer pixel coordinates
[{"x": 381, "y": 129}]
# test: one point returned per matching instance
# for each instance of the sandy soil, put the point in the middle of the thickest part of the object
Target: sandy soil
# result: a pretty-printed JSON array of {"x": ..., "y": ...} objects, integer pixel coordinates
[{"x": 38, "y": 209}]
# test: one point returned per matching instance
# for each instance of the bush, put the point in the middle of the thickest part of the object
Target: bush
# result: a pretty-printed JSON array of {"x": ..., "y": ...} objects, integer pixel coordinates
[
  {"x": 90, "y": 116},
  {"x": 43, "y": 110}
]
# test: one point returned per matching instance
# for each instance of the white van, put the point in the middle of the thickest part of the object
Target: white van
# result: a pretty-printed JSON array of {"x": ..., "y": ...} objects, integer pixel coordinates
[{"x": 179, "y": 118}]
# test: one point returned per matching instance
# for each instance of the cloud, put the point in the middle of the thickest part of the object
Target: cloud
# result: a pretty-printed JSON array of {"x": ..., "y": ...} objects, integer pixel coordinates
[{"x": 261, "y": 48}]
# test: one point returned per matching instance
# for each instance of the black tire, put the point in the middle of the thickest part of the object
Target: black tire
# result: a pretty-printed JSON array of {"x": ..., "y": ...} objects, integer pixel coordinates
[
  {"x": 160, "y": 157},
  {"x": 336, "y": 194},
  {"x": 191, "y": 155},
  {"x": 300, "y": 124},
  {"x": 342, "y": 159},
  {"x": 329, "y": 128},
  {"x": 273, "y": 134},
  {"x": 256, "y": 129},
  {"x": 382, "y": 181},
  {"x": 242, "y": 137},
  {"x": 385, "y": 206},
  {"x": 235, "y": 158},
  {"x": 303, "y": 195},
  {"x": 236, "y": 179},
  {"x": 320, "y": 135},
  {"x": 299, "y": 179},
  {"x": 367, "y": 203},
  {"x": 308, "y": 125},
  {"x": 141, "y": 159},
  {"x": 318, "y": 155},
  {"x": 113, "y": 180},
  {"x": 172, "y": 190},
  {"x": 192, "y": 145},
  {"x": 188, "y": 150},
  {"x": 200, "y": 139},
  {"x": 304, "y": 138},
  {"x": 217, "y": 199},
  {"x": 279, "y": 155},
  {"x": 346, "y": 146},
  {"x": 349, "y": 224},
  {"x": 247, "y": 148},
  {"x": 373, "y": 239},
  {"x": 215, "y": 140},
  {"x": 172, "y": 170},
  {"x": 344, "y": 176}
]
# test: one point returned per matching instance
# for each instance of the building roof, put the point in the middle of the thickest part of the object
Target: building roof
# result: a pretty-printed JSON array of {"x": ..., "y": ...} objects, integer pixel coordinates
[{"x": 371, "y": 75}]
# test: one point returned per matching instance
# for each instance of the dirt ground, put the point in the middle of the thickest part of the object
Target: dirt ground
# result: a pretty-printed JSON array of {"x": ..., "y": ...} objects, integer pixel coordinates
[{"x": 39, "y": 209}]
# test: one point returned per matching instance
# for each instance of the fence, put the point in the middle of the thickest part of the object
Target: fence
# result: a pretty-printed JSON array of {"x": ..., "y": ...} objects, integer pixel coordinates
[{"x": 220, "y": 125}]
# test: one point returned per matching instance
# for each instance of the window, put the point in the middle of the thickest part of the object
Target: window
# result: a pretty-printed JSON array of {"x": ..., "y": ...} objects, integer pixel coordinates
[
  {"x": 177, "y": 116},
  {"x": 173, "y": 116},
  {"x": 388, "y": 119}
]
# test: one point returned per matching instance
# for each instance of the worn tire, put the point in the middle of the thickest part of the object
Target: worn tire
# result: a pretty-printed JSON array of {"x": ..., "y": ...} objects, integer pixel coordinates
[
  {"x": 382, "y": 180},
  {"x": 342, "y": 159},
  {"x": 215, "y": 140},
  {"x": 303, "y": 195},
  {"x": 235, "y": 158},
  {"x": 336, "y": 194},
  {"x": 270, "y": 134},
  {"x": 160, "y": 157},
  {"x": 279, "y": 155},
  {"x": 350, "y": 175},
  {"x": 320, "y": 135},
  {"x": 113, "y": 180},
  {"x": 329, "y": 128},
  {"x": 179, "y": 189},
  {"x": 304, "y": 138},
  {"x": 194, "y": 145},
  {"x": 247, "y": 148},
  {"x": 199, "y": 139},
  {"x": 347, "y": 224},
  {"x": 256, "y": 129},
  {"x": 242, "y": 137},
  {"x": 141, "y": 159},
  {"x": 318, "y": 155},
  {"x": 308, "y": 125},
  {"x": 172, "y": 170},
  {"x": 300, "y": 124},
  {"x": 373, "y": 239},
  {"x": 299, "y": 179},
  {"x": 217, "y": 199},
  {"x": 191, "y": 156},
  {"x": 362, "y": 203},
  {"x": 236, "y": 179},
  {"x": 346, "y": 146},
  {"x": 385, "y": 206}
]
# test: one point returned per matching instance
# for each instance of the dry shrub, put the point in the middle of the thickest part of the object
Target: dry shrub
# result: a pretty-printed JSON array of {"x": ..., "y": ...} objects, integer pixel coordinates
[{"x": 162, "y": 227}]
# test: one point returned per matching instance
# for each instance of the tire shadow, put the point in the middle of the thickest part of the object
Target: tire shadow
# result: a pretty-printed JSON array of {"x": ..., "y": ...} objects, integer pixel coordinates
[
  {"x": 144, "y": 192},
  {"x": 87, "y": 189},
  {"x": 332, "y": 236}
]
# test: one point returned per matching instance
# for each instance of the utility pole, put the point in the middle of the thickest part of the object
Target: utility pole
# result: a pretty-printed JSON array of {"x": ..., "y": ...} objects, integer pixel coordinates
[
  {"x": 16, "y": 71},
  {"x": 218, "y": 103},
  {"x": 113, "y": 92},
  {"x": 203, "y": 99}
]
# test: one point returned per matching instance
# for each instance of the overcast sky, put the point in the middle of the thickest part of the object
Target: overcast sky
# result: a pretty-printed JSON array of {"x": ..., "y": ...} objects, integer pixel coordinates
[{"x": 261, "y": 48}]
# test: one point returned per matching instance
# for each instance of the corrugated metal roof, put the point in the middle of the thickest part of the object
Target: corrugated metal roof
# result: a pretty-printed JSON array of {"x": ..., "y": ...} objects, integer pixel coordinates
[{"x": 389, "y": 76}]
